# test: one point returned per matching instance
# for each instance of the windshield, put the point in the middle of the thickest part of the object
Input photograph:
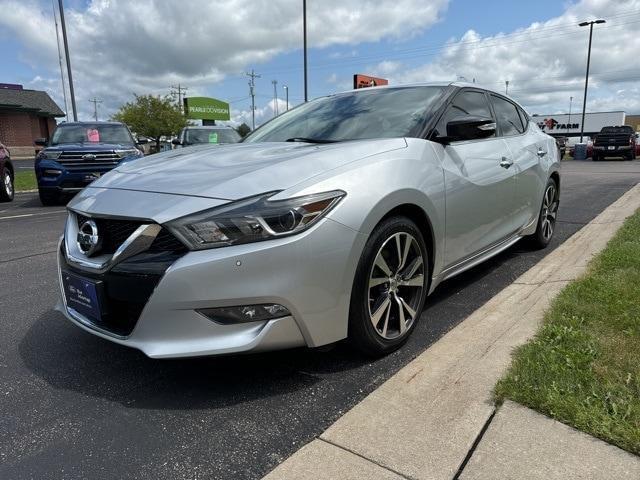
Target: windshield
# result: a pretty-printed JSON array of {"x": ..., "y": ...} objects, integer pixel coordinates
[
  {"x": 366, "y": 113},
  {"x": 92, "y": 133},
  {"x": 211, "y": 135}
]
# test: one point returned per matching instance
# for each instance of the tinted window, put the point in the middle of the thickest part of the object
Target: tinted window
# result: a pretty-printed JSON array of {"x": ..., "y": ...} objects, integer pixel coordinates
[
  {"x": 507, "y": 116},
  {"x": 464, "y": 104},
  {"x": 366, "y": 113},
  {"x": 524, "y": 117},
  {"x": 92, "y": 133}
]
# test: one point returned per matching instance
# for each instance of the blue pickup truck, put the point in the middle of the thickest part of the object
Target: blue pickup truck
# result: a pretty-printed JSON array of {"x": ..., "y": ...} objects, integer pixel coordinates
[{"x": 78, "y": 153}]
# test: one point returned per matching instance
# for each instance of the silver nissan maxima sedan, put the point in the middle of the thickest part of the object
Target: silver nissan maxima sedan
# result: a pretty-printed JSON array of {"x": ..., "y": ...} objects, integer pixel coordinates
[{"x": 334, "y": 220}]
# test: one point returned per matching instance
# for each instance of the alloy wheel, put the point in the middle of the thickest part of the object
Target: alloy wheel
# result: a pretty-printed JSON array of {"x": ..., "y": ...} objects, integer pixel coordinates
[
  {"x": 396, "y": 281},
  {"x": 8, "y": 184},
  {"x": 549, "y": 212}
]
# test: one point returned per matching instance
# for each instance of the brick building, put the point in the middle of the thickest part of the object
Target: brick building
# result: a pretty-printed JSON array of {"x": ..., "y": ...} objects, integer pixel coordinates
[{"x": 24, "y": 116}]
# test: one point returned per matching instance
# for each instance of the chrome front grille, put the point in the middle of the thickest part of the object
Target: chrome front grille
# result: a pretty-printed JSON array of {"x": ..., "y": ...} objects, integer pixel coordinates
[{"x": 76, "y": 160}]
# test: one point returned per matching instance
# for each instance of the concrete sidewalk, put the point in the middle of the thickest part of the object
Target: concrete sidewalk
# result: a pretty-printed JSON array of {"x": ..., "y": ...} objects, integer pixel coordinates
[{"x": 426, "y": 421}]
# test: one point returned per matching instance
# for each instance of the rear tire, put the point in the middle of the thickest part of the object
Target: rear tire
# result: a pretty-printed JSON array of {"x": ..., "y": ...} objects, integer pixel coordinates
[
  {"x": 48, "y": 199},
  {"x": 7, "y": 189},
  {"x": 547, "y": 216},
  {"x": 389, "y": 288}
]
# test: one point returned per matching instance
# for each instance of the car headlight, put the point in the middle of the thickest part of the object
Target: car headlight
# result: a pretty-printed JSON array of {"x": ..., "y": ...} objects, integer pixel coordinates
[
  {"x": 52, "y": 155},
  {"x": 131, "y": 152},
  {"x": 253, "y": 219}
]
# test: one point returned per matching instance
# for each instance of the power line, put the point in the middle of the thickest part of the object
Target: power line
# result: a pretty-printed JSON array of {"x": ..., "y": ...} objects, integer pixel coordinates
[
  {"x": 252, "y": 92},
  {"x": 95, "y": 102},
  {"x": 178, "y": 91}
]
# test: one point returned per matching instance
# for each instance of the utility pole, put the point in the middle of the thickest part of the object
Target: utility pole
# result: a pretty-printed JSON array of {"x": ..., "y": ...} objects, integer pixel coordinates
[
  {"x": 178, "y": 90},
  {"x": 64, "y": 88},
  {"x": 66, "y": 54},
  {"x": 95, "y": 102},
  {"x": 275, "y": 97},
  {"x": 286, "y": 92},
  {"x": 252, "y": 91},
  {"x": 506, "y": 87},
  {"x": 304, "y": 33},
  {"x": 586, "y": 79},
  {"x": 570, "y": 103}
]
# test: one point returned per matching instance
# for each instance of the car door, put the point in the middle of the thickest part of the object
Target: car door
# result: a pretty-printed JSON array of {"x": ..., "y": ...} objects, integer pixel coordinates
[
  {"x": 479, "y": 184},
  {"x": 527, "y": 148}
]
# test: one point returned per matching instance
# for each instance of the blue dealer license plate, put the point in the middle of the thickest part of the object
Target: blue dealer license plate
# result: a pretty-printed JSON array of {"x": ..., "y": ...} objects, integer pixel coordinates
[{"x": 82, "y": 295}]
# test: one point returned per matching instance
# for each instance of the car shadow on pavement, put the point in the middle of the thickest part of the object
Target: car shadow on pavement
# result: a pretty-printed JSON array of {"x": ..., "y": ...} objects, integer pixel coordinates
[{"x": 68, "y": 358}]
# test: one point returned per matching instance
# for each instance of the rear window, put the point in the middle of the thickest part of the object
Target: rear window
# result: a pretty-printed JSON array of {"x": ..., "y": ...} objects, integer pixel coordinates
[{"x": 621, "y": 129}]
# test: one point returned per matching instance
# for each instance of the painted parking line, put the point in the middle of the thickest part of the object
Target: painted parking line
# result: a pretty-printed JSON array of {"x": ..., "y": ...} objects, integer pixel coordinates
[{"x": 33, "y": 214}]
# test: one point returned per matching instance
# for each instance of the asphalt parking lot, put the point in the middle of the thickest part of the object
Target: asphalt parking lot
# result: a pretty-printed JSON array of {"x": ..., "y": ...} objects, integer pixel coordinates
[{"x": 75, "y": 406}]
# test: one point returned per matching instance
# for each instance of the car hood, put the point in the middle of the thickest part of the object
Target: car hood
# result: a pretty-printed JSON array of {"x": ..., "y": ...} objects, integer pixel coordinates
[{"x": 241, "y": 170}]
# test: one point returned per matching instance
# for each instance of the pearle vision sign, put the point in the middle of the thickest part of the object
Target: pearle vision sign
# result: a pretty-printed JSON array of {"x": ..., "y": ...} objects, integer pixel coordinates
[{"x": 204, "y": 108}]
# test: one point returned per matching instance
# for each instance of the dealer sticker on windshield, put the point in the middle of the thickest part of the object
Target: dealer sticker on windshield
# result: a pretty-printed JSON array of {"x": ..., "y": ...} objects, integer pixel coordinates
[{"x": 213, "y": 138}]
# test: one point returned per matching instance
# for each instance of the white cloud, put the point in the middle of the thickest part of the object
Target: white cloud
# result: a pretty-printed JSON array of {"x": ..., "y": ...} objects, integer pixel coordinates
[
  {"x": 545, "y": 62},
  {"x": 119, "y": 47}
]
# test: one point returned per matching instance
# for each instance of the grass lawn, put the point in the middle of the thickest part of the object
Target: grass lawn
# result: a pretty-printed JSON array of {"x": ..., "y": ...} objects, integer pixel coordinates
[
  {"x": 583, "y": 366},
  {"x": 25, "y": 180}
]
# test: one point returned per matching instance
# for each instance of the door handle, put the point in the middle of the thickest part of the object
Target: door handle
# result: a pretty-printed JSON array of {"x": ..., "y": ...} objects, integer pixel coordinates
[
  {"x": 541, "y": 153},
  {"x": 506, "y": 162}
]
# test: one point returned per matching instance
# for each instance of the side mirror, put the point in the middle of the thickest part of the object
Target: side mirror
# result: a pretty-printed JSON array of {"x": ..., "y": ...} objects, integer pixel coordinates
[
  {"x": 176, "y": 141},
  {"x": 42, "y": 142},
  {"x": 470, "y": 128},
  {"x": 142, "y": 141}
]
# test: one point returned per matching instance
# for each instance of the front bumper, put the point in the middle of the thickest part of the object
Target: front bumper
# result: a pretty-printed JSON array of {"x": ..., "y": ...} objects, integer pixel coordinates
[
  {"x": 67, "y": 181},
  {"x": 310, "y": 274}
]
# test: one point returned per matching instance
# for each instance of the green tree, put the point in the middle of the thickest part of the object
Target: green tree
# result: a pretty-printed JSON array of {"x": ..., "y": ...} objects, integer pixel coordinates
[
  {"x": 243, "y": 130},
  {"x": 153, "y": 117}
]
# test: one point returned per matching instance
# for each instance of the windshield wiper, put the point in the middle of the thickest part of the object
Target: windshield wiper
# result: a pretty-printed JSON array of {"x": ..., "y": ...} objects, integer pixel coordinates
[{"x": 310, "y": 140}]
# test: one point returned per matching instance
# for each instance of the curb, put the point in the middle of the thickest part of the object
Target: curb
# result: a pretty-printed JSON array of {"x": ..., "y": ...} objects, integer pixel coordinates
[{"x": 423, "y": 422}]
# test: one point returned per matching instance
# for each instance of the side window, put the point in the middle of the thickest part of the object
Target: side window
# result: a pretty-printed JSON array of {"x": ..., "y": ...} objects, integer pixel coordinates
[
  {"x": 524, "y": 117},
  {"x": 467, "y": 102},
  {"x": 507, "y": 116}
]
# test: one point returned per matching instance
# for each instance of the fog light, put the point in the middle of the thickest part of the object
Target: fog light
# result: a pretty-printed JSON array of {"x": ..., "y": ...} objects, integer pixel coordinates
[
  {"x": 245, "y": 313},
  {"x": 52, "y": 173}
]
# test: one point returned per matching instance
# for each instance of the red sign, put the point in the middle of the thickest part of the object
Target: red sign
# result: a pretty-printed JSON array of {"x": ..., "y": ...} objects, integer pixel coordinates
[{"x": 364, "y": 81}]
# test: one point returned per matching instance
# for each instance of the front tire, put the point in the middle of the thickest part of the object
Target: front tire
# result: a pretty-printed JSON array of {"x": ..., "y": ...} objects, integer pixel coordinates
[
  {"x": 389, "y": 288},
  {"x": 7, "y": 189},
  {"x": 547, "y": 217}
]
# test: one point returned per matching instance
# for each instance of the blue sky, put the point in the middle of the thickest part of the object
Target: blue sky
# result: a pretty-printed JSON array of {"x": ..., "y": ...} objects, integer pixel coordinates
[{"x": 119, "y": 48}]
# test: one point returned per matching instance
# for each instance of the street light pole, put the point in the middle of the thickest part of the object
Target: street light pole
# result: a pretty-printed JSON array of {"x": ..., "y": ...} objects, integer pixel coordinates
[
  {"x": 286, "y": 93},
  {"x": 275, "y": 97},
  {"x": 506, "y": 87},
  {"x": 304, "y": 33},
  {"x": 66, "y": 54},
  {"x": 586, "y": 80},
  {"x": 570, "y": 103}
]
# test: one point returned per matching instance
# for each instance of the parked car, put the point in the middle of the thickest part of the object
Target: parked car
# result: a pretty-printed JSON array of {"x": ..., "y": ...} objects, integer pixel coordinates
[
  {"x": 571, "y": 143},
  {"x": 618, "y": 141},
  {"x": 7, "y": 175},
  {"x": 78, "y": 153},
  {"x": 637, "y": 144},
  {"x": 207, "y": 134},
  {"x": 327, "y": 222}
]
